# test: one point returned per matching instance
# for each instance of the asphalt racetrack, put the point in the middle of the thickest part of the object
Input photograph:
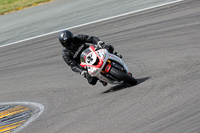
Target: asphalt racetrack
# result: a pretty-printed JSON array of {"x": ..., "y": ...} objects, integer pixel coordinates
[
  {"x": 62, "y": 14},
  {"x": 160, "y": 46}
]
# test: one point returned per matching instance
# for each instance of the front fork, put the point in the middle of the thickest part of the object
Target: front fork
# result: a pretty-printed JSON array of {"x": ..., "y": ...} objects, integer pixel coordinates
[{"x": 107, "y": 67}]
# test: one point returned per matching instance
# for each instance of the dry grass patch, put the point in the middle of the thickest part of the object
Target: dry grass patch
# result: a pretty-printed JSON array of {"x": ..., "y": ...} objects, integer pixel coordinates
[{"x": 7, "y": 6}]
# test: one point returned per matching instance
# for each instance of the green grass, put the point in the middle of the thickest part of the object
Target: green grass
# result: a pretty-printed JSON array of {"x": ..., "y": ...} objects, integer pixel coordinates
[{"x": 7, "y": 6}]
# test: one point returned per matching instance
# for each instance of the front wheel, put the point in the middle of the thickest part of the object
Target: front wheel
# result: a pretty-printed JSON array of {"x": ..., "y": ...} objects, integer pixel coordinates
[{"x": 122, "y": 76}]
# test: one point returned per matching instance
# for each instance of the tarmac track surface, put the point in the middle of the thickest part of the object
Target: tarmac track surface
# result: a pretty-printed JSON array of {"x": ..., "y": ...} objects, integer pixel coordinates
[
  {"x": 61, "y": 14},
  {"x": 161, "y": 48}
]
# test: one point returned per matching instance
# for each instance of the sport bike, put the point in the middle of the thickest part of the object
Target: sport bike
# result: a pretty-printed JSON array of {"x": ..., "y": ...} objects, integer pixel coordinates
[{"x": 105, "y": 66}]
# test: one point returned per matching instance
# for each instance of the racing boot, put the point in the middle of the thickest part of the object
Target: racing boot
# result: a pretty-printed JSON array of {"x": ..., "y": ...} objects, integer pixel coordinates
[{"x": 103, "y": 83}]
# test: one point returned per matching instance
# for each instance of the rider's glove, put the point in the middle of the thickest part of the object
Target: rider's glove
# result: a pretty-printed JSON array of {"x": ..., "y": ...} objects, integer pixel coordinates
[
  {"x": 84, "y": 73},
  {"x": 100, "y": 44}
]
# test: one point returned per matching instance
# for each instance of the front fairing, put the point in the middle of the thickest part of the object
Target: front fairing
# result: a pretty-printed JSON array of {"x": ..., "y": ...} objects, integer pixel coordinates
[
  {"x": 93, "y": 60},
  {"x": 103, "y": 56},
  {"x": 84, "y": 55}
]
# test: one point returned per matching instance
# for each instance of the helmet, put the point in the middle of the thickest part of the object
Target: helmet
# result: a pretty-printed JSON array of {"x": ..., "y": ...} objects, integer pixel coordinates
[{"x": 66, "y": 38}]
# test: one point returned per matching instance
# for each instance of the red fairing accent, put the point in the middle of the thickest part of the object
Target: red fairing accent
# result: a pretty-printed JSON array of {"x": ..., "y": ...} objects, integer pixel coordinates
[
  {"x": 82, "y": 65},
  {"x": 93, "y": 49},
  {"x": 100, "y": 60},
  {"x": 107, "y": 69}
]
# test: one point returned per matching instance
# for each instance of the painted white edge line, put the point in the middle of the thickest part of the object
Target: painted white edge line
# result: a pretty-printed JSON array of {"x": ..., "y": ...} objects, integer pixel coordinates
[
  {"x": 39, "y": 108},
  {"x": 100, "y": 20}
]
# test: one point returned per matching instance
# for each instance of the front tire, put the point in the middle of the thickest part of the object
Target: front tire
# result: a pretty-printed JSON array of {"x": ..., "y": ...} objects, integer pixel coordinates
[{"x": 122, "y": 76}]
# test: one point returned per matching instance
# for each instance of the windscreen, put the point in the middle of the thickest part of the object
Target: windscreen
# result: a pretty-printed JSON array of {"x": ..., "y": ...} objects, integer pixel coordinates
[{"x": 84, "y": 55}]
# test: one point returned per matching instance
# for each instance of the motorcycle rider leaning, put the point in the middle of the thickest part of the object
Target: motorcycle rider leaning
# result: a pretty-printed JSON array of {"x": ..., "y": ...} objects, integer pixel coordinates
[{"x": 73, "y": 46}]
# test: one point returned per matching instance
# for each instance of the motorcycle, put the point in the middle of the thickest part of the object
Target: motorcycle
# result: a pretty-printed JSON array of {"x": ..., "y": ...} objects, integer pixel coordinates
[{"x": 105, "y": 66}]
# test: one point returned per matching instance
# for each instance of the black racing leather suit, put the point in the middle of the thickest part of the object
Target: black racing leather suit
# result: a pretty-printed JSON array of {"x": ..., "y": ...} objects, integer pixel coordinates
[{"x": 72, "y": 57}]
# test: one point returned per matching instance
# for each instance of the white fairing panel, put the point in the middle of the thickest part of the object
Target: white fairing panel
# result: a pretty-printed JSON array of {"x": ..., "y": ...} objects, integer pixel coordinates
[
  {"x": 103, "y": 54},
  {"x": 118, "y": 60},
  {"x": 96, "y": 61}
]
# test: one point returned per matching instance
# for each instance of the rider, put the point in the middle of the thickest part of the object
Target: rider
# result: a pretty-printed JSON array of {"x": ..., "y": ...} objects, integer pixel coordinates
[{"x": 73, "y": 46}]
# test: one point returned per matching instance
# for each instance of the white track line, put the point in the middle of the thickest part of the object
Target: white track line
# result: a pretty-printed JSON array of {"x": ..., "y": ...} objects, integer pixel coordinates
[{"x": 100, "y": 20}]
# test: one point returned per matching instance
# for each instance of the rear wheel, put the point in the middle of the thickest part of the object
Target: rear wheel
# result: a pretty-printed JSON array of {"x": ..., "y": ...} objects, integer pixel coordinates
[{"x": 122, "y": 76}]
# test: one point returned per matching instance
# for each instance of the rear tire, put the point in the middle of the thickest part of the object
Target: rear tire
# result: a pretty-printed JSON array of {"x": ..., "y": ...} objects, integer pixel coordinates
[{"x": 122, "y": 76}]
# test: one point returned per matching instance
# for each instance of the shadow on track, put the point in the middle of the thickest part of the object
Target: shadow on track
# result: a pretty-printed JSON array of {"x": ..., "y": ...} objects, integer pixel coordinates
[{"x": 124, "y": 86}]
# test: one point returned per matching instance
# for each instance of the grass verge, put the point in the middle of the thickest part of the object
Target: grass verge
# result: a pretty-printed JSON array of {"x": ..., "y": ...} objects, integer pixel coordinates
[{"x": 7, "y": 6}]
